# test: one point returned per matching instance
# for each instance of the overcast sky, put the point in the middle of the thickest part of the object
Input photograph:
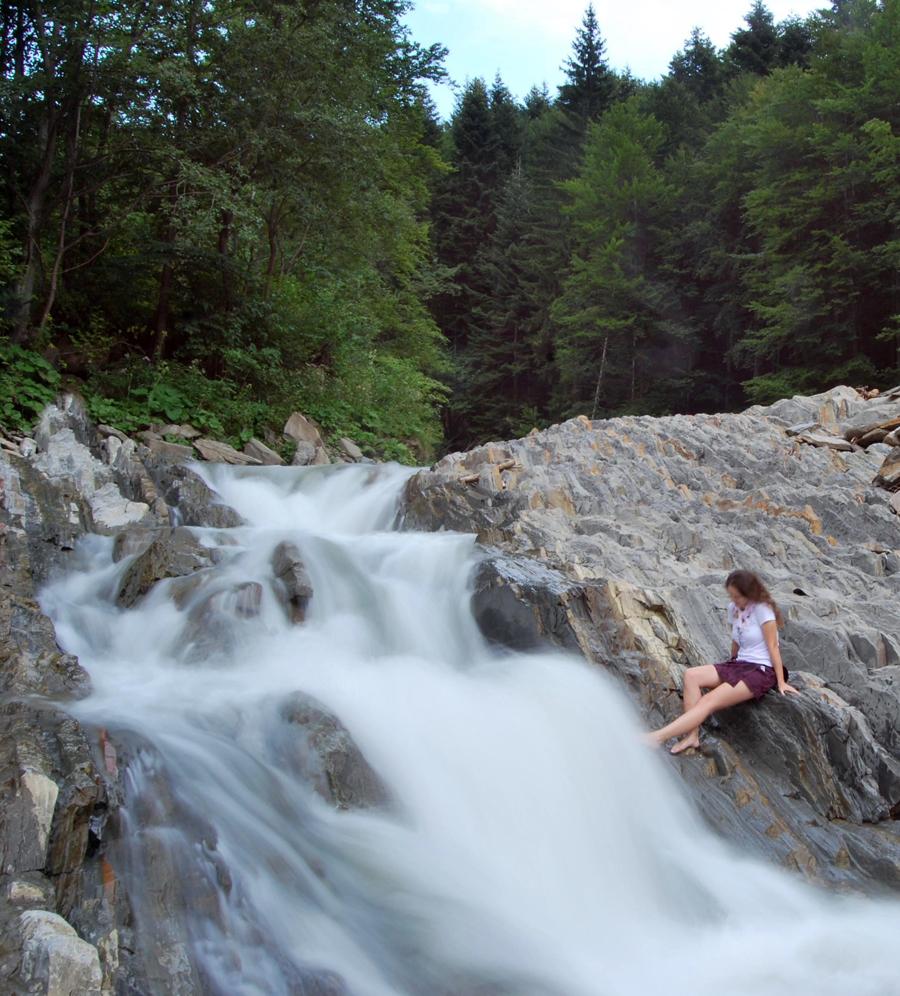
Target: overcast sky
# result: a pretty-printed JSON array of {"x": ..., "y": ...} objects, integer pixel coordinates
[{"x": 527, "y": 40}]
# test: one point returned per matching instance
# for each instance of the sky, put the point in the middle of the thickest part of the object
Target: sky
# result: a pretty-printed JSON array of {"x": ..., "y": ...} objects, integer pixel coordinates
[{"x": 528, "y": 40}]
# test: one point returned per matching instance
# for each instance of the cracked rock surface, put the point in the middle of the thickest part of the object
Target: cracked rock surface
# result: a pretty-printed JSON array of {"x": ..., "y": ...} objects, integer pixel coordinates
[{"x": 614, "y": 537}]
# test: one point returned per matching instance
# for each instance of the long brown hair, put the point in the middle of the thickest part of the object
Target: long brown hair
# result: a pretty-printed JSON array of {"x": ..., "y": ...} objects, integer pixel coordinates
[{"x": 751, "y": 586}]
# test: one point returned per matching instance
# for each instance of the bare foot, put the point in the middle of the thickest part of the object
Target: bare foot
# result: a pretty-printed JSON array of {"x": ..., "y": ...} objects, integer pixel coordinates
[{"x": 693, "y": 740}]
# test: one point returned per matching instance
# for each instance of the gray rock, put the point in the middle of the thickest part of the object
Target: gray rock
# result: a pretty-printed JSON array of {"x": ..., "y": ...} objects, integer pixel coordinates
[
  {"x": 614, "y": 537},
  {"x": 881, "y": 412},
  {"x": 801, "y": 427},
  {"x": 329, "y": 758},
  {"x": 173, "y": 452},
  {"x": 55, "y": 960},
  {"x": 825, "y": 439},
  {"x": 185, "y": 431},
  {"x": 303, "y": 429},
  {"x": 257, "y": 449},
  {"x": 304, "y": 454},
  {"x": 321, "y": 456},
  {"x": 163, "y": 553},
  {"x": 293, "y": 587},
  {"x": 888, "y": 475},
  {"x": 193, "y": 502},
  {"x": 350, "y": 448},
  {"x": 219, "y": 452},
  {"x": 110, "y": 430}
]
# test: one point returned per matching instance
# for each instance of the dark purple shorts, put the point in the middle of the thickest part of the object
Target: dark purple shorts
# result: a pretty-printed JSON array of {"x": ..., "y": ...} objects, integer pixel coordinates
[{"x": 757, "y": 678}]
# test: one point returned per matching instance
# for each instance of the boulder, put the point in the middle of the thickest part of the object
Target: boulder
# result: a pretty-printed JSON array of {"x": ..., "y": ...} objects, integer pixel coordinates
[
  {"x": 293, "y": 585},
  {"x": 172, "y": 452},
  {"x": 303, "y": 429},
  {"x": 350, "y": 448},
  {"x": 304, "y": 454},
  {"x": 613, "y": 538},
  {"x": 321, "y": 456},
  {"x": 158, "y": 554},
  {"x": 259, "y": 451},
  {"x": 218, "y": 452},
  {"x": 55, "y": 961},
  {"x": 193, "y": 502}
]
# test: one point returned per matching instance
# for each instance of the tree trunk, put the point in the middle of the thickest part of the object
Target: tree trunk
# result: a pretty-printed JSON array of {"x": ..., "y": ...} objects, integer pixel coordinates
[
  {"x": 600, "y": 377},
  {"x": 34, "y": 210},
  {"x": 72, "y": 145}
]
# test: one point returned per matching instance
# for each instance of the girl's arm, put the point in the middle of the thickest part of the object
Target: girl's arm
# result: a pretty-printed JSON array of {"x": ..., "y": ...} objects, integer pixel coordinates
[
  {"x": 734, "y": 649},
  {"x": 770, "y": 632}
]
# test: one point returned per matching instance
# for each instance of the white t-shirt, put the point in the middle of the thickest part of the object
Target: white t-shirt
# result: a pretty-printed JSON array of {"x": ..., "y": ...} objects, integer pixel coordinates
[{"x": 746, "y": 631}]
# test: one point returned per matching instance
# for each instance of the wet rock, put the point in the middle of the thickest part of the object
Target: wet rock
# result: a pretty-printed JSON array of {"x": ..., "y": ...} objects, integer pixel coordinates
[
  {"x": 163, "y": 553},
  {"x": 329, "y": 758},
  {"x": 193, "y": 502},
  {"x": 614, "y": 537},
  {"x": 258, "y": 450},
  {"x": 294, "y": 587},
  {"x": 219, "y": 452}
]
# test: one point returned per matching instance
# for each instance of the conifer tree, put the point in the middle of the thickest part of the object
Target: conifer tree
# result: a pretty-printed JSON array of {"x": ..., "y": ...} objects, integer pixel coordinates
[
  {"x": 590, "y": 84},
  {"x": 755, "y": 48}
]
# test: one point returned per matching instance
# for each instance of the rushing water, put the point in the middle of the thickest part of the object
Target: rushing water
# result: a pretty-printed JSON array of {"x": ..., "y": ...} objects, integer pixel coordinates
[{"x": 532, "y": 845}]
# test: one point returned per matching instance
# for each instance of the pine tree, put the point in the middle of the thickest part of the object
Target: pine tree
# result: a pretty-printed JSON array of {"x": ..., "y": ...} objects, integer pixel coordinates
[
  {"x": 755, "y": 48},
  {"x": 590, "y": 84}
]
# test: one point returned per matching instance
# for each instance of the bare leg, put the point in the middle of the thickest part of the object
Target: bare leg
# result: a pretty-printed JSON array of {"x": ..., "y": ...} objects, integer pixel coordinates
[
  {"x": 722, "y": 697},
  {"x": 695, "y": 680}
]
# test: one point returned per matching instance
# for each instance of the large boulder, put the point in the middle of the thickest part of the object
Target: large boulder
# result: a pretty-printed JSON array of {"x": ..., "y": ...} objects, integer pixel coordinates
[{"x": 614, "y": 538}]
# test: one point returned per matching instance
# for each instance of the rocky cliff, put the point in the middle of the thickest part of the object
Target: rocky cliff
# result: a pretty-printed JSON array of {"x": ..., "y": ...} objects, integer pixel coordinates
[{"x": 613, "y": 539}]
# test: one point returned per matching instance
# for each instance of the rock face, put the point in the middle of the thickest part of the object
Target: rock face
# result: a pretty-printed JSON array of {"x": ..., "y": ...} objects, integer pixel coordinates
[{"x": 614, "y": 538}]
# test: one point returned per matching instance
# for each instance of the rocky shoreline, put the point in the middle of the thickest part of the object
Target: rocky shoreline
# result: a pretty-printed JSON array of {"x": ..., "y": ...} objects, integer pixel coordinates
[
  {"x": 613, "y": 538},
  {"x": 66, "y": 923},
  {"x": 608, "y": 538}
]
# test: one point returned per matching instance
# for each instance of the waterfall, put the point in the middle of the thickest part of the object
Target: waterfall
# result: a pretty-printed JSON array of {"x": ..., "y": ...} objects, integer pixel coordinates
[{"x": 527, "y": 842}]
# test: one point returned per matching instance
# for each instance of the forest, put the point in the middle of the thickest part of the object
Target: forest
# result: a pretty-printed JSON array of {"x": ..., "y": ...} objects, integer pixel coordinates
[{"x": 221, "y": 211}]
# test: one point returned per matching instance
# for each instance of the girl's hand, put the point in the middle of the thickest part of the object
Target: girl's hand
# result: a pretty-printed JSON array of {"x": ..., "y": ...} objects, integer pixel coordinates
[{"x": 788, "y": 688}]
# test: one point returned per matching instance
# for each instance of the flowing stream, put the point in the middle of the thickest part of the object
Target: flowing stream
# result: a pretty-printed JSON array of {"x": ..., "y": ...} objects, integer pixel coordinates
[{"x": 531, "y": 844}]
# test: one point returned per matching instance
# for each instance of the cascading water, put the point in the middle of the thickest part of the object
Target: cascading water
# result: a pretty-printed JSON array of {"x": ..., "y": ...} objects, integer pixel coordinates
[{"x": 530, "y": 844}]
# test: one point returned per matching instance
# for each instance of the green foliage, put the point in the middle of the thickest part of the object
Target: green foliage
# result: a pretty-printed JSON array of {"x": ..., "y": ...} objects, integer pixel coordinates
[{"x": 27, "y": 383}]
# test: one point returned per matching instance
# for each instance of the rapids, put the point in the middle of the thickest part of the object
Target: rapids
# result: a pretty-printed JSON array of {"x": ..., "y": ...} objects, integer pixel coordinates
[{"x": 531, "y": 845}]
